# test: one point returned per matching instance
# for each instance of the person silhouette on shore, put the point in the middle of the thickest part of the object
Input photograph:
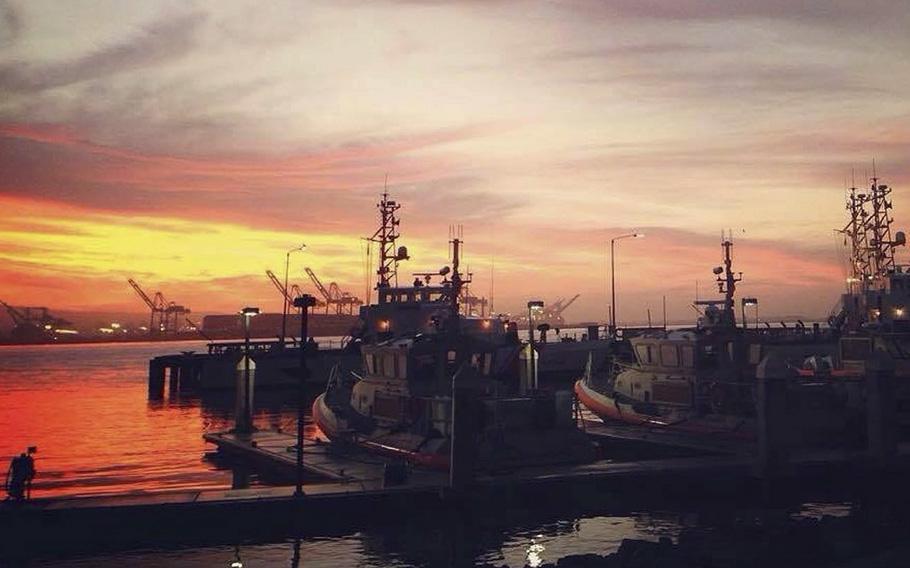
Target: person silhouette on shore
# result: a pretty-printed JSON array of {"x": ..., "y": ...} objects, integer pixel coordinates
[{"x": 20, "y": 474}]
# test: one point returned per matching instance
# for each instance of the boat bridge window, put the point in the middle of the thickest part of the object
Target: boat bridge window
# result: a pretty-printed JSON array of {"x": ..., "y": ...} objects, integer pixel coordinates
[
  {"x": 687, "y": 353},
  {"x": 482, "y": 362},
  {"x": 668, "y": 356},
  {"x": 370, "y": 360},
  {"x": 645, "y": 354}
]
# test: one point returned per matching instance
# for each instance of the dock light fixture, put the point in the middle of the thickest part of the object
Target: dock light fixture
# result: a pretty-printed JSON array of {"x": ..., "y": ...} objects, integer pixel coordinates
[
  {"x": 899, "y": 311},
  {"x": 286, "y": 301},
  {"x": 635, "y": 235}
]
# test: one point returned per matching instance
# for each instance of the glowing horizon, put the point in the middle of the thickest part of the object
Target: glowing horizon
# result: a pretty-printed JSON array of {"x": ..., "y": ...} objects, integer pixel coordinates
[{"x": 189, "y": 146}]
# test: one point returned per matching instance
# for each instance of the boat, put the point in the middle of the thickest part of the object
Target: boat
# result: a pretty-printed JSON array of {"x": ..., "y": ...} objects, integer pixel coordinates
[
  {"x": 701, "y": 380},
  {"x": 873, "y": 314},
  {"x": 429, "y": 371}
]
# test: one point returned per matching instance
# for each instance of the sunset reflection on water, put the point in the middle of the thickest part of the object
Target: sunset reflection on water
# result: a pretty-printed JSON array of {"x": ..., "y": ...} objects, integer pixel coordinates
[{"x": 86, "y": 407}]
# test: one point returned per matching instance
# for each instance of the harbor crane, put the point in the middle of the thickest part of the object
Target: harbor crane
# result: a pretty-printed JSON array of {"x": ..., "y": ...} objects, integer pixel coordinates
[
  {"x": 33, "y": 323},
  {"x": 552, "y": 313},
  {"x": 166, "y": 317},
  {"x": 294, "y": 291},
  {"x": 343, "y": 302}
]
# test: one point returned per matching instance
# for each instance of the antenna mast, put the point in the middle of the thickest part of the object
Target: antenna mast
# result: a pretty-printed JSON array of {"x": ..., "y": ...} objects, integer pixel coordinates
[
  {"x": 457, "y": 282},
  {"x": 726, "y": 285},
  {"x": 386, "y": 235},
  {"x": 869, "y": 234}
]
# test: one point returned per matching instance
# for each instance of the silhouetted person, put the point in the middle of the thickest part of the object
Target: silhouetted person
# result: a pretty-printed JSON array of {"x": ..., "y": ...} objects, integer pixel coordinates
[{"x": 20, "y": 475}]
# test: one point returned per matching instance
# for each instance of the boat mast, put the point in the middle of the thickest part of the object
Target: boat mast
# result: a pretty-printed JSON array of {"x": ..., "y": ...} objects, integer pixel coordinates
[
  {"x": 881, "y": 245},
  {"x": 855, "y": 231},
  {"x": 386, "y": 235},
  {"x": 869, "y": 234},
  {"x": 726, "y": 284}
]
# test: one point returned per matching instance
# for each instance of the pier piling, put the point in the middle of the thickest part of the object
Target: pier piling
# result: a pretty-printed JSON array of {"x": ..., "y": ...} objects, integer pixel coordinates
[
  {"x": 156, "y": 379},
  {"x": 173, "y": 380},
  {"x": 243, "y": 412}
]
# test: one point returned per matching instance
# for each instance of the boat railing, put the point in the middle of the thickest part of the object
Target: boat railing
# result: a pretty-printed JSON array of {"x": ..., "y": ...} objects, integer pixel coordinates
[{"x": 270, "y": 345}]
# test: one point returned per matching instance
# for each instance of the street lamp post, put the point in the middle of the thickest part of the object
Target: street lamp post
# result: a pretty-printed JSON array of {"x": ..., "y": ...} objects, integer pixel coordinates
[
  {"x": 613, "y": 275},
  {"x": 284, "y": 307},
  {"x": 304, "y": 302},
  {"x": 531, "y": 305}
]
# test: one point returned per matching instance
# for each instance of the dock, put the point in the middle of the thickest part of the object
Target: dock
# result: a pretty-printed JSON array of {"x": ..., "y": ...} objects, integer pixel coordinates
[
  {"x": 277, "y": 366},
  {"x": 351, "y": 494},
  {"x": 278, "y": 451}
]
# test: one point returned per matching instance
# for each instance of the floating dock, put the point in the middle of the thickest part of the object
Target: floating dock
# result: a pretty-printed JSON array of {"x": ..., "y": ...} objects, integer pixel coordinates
[
  {"x": 356, "y": 495},
  {"x": 278, "y": 451}
]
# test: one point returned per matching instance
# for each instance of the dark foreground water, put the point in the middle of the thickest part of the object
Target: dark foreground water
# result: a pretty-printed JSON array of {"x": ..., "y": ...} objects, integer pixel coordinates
[{"x": 87, "y": 410}]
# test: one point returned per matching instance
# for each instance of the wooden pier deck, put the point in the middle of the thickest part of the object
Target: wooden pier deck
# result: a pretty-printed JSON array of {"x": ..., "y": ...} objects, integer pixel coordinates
[{"x": 344, "y": 465}]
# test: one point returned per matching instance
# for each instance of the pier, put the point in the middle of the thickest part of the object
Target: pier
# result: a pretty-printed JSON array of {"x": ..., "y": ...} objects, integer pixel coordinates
[
  {"x": 182, "y": 372},
  {"x": 277, "y": 366},
  {"x": 357, "y": 496}
]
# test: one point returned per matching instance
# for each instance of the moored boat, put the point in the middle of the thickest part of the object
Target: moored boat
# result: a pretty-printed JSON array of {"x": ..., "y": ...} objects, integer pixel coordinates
[
  {"x": 450, "y": 372},
  {"x": 702, "y": 380}
]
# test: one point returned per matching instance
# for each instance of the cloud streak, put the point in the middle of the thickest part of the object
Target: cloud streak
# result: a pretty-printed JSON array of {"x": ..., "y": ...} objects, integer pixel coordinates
[{"x": 159, "y": 42}]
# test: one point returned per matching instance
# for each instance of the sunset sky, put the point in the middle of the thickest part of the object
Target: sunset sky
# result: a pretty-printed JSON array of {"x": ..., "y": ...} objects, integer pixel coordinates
[{"x": 188, "y": 145}]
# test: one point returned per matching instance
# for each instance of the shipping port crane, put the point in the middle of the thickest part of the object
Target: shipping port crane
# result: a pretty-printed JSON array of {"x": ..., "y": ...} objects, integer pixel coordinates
[
  {"x": 554, "y": 311},
  {"x": 166, "y": 317},
  {"x": 293, "y": 291},
  {"x": 551, "y": 314},
  {"x": 343, "y": 302},
  {"x": 34, "y": 323}
]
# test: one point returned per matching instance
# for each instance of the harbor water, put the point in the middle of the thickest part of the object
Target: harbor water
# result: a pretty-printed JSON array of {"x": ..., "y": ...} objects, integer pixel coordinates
[{"x": 86, "y": 409}]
